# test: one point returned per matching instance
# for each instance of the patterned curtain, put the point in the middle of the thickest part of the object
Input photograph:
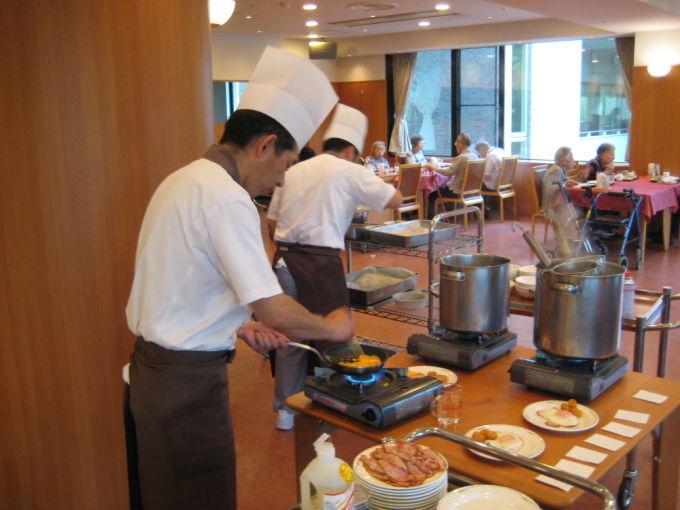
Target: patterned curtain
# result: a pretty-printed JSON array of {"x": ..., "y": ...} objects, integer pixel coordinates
[{"x": 403, "y": 65}]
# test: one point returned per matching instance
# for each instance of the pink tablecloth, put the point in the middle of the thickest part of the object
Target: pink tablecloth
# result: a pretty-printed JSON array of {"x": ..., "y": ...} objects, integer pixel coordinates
[
  {"x": 432, "y": 181},
  {"x": 655, "y": 197}
]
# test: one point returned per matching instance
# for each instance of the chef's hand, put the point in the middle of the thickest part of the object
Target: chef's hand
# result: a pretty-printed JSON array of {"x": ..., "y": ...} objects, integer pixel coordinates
[
  {"x": 260, "y": 338},
  {"x": 341, "y": 323}
]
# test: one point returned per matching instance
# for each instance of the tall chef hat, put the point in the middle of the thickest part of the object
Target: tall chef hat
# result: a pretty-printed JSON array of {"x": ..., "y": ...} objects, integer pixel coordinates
[
  {"x": 350, "y": 125},
  {"x": 291, "y": 90}
]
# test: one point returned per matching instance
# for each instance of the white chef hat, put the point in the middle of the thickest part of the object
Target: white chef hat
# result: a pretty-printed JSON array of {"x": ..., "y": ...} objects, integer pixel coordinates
[
  {"x": 348, "y": 124},
  {"x": 291, "y": 90}
]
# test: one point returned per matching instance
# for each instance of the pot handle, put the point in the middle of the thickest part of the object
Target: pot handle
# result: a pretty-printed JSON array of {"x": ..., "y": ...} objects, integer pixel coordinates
[
  {"x": 432, "y": 291},
  {"x": 566, "y": 288},
  {"x": 453, "y": 275}
]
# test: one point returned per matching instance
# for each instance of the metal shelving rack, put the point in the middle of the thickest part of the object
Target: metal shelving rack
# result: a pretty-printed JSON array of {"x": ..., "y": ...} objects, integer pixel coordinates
[{"x": 387, "y": 309}]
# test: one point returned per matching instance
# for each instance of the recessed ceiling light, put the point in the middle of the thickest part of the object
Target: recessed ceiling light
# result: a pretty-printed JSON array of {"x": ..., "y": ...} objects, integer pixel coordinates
[
  {"x": 489, "y": 17},
  {"x": 309, "y": 7},
  {"x": 442, "y": 7},
  {"x": 311, "y": 23},
  {"x": 365, "y": 30},
  {"x": 249, "y": 17},
  {"x": 424, "y": 23},
  {"x": 313, "y": 36},
  {"x": 259, "y": 31}
]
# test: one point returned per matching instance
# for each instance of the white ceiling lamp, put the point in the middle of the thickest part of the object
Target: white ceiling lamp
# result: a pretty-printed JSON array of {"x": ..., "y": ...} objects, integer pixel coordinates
[
  {"x": 659, "y": 65},
  {"x": 442, "y": 7},
  {"x": 221, "y": 11}
]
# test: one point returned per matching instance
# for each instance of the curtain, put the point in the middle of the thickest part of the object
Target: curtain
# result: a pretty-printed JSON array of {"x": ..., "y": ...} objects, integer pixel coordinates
[
  {"x": 625, "y": 47},
  {"x": 403, "y": 65}
]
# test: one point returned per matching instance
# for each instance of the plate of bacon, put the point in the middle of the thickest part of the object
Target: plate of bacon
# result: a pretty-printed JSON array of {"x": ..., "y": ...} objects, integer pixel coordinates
[{"x": 402, "y": 475}]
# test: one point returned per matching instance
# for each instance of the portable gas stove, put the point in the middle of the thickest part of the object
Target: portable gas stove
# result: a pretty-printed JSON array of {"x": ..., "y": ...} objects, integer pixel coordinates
[
  {"x": 463, "y": 350},
  {"x": 583, "y": 379},
  {"x": 379, "y": 400}
]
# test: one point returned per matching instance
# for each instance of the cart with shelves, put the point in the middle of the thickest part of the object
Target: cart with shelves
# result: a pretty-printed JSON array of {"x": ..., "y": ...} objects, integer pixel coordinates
[{"x": 387, "y": 309}]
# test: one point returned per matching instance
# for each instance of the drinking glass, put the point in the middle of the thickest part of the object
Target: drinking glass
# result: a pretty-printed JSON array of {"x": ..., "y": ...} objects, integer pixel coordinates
[{"x": 447, "y": 407}]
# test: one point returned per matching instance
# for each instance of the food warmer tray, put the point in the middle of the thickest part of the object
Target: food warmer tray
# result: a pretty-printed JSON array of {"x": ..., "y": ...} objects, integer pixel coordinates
[
  {"x": 366, "y": 295},
  {"x": 410, "y": 233}
]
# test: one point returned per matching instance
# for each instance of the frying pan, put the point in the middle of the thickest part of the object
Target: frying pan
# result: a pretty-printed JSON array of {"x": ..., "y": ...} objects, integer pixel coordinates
[{"x": 336, "y": 354}]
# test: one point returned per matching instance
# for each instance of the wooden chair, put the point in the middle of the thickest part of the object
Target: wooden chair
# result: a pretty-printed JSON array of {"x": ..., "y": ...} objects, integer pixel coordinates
[
  {"x": 504, "y": 188},
  {"x": 470, "y": 189},
  {"x": 537, "y": 188},
  {"x": 407, "y": 183}
]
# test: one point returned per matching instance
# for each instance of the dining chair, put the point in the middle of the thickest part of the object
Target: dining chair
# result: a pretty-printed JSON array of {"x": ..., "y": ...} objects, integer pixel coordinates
[
  {"x": 470, "y": 190},
  {"x": 504, "y": 184},
  {"x": 407, "y": 183},
  {"x": 537, "y": 173}
]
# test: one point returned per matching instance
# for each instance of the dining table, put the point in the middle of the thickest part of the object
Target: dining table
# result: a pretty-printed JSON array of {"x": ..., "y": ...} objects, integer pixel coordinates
[
  {"x": 657, "y": 198},
  {"x": 430, "y": 181},
  {"x": 489, "y": 397}
]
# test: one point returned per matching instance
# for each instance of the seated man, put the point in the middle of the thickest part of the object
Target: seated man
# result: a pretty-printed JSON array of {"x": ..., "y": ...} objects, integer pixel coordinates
[
  {"x": 493, "y": 157},
  {"x": 559, "y": 212},
  {"x": 455, "y": 171}
]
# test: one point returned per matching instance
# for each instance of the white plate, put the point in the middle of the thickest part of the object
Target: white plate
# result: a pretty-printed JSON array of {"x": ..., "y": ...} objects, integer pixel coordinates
[
  {"x": 484, "y": 497},
  {"x": 442, "y": 373},
  {"x": 430, "y": 484},
  {"x": 532, "y": 444},
  {"x": 585, "y": 422}
]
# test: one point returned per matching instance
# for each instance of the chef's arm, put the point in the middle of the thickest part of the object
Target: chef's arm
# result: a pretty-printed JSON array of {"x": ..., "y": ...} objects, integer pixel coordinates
[
  {"x": 284, "y": 314},
  {"x": 395, "y": 201},
  {"x": 271, "y": 227}
]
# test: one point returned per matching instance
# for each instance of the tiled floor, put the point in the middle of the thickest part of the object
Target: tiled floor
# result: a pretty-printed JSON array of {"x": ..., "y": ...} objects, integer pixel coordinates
[{"x": 266, "y": 468}]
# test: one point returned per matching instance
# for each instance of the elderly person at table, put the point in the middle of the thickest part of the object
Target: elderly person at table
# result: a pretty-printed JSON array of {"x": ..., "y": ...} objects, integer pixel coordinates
[
  {"x": 455, "y": 171},
  {"x": 377, "y": 162},
  {"x": 493, "y": 159},
  {"x": 416, "y": 155},
  {"x": 604, "y": 162},
  {"x": 564, "y": 161}
]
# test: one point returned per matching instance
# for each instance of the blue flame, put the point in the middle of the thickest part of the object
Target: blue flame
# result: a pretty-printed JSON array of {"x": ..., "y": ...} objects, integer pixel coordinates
[{"x": 365, "y": 378}]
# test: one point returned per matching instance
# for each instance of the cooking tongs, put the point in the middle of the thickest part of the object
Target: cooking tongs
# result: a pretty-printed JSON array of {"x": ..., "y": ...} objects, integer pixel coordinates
[{"x": 577, "y": 481}]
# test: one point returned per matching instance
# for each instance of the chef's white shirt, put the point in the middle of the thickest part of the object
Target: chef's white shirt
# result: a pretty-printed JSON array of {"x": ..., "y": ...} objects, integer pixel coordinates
[
  {"x": 200, "y": 261},
  {"x": 316, "y": 204}
]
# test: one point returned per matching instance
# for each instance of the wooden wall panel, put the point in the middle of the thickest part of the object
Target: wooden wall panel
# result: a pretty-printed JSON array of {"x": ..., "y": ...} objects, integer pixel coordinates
[
  {"x": 655, "y": 125},
  {"x": 370, "y": 97},
  {"x": 99, "y": 101}
]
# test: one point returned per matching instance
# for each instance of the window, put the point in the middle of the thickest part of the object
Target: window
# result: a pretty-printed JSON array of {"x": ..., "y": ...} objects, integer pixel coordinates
[
  {"x": 528, "y": 98},
  {"x": 226, "y": 96},
  {"x": 429, "y": 109}
]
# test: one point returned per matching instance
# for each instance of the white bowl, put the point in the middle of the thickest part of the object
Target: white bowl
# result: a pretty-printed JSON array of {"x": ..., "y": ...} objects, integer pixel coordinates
[
  {"x": 527, "y": 271},
  {"x": 411, "y": 300},
  {"x": 513, "y": 271},
  {"x": 525, "y": 286}
]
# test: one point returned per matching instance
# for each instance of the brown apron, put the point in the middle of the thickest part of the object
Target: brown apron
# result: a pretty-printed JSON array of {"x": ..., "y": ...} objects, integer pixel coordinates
[
  {"x": 319, "y": 276},
  {"x": 320, "y": 280},
  {"x": 180, "y": 404}
]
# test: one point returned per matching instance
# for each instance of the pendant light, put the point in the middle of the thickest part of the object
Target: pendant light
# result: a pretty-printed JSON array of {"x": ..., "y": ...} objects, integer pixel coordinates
[{"x": 221, "y": 11}]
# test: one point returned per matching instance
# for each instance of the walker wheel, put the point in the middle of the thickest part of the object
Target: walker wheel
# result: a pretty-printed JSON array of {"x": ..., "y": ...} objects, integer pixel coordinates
[{"x": 625, "y": 495}]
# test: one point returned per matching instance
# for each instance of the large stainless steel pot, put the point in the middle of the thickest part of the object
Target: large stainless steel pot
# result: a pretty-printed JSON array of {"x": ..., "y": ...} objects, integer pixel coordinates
[
  {"x": 578, "y": 314},
  {"x": 474, "y": 293}
]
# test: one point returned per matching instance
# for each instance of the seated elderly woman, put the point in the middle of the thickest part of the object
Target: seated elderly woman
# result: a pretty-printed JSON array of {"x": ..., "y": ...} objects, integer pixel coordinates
[
  {"x": 416, "y": 155},
  {"x": 377, "y": 160},
  {"x": 604, "y": 162},
  {"x": 564, "y": 161}
]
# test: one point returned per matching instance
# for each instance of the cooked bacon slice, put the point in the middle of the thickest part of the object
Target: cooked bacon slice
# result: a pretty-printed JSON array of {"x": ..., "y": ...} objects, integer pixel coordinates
[{"x": 403, "y": 464}]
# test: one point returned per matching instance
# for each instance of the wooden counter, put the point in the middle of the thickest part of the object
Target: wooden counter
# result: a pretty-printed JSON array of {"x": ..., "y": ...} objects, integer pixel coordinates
[{"x": 490, "y": 397}]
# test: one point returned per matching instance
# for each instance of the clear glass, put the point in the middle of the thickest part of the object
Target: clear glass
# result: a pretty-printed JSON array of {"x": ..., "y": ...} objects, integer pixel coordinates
[
  {"x": 447, "y": 407},
  {"x": 428, "y": 113}
]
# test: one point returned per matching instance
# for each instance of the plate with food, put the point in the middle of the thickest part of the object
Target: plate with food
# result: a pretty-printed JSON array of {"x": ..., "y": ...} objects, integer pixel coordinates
[
  {"x": 446, "y": 377},
  {"x": 511, "y": 438},
  {"x": 561, "y": 415}
]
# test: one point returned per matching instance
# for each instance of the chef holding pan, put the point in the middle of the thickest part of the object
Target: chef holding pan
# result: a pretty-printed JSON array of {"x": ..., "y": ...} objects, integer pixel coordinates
[
  {"x": 200, "y": 271},
  {"x": 309, "y": 216}
]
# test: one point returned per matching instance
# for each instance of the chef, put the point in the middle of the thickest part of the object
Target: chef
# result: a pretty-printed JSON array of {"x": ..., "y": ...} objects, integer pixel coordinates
[
  {"x": 309, "y": 216},
  {"x": 200, "y": 271}
]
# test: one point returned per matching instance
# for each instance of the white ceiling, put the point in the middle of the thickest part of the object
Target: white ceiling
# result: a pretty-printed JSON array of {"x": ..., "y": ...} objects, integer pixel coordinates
[{"x": 281, "y": 18}]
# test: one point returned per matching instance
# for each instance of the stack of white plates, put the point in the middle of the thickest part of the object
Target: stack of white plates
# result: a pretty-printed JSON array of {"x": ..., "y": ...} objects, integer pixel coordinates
[{"x": 388, "y": 497}]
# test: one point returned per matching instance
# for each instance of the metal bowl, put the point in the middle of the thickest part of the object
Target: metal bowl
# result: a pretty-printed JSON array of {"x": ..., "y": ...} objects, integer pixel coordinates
[{"x": 360, "y": 214}]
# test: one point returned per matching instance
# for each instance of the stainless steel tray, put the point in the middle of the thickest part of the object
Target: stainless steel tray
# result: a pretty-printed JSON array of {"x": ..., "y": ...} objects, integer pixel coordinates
[
  {"x": 367, "y": 295},
  {"x": 410, "y": 233}
]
